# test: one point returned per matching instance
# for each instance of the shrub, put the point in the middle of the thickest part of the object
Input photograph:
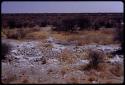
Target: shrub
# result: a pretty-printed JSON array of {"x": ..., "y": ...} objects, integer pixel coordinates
[
  {"x": 21, "y": 33},
  {"x": 12, "y": 34},
  {"x": 19, "y": 25},
  {"x": 15, "y": 33},
  {"x": 119, "y": 32},
  {"x": 68, "y": 25},
  {"x": 119, "y": 37},
  {"x": 3, "y": 35},
  {"x": 95, "y": 57},
  {"x": 31, "y": 25},
  {"x": 83, "y": 23},
  {"x": 5, "y": 50},
  {"x": 109, "y": 25},
  {"x": 25, "y": 24},
  {"x": 72, "y": 24},
  {"x": 43, "y": 24},
  {"x": 11, "y": 24},
  {"x": 59, "y": 26},
  {"x": 96, "y": 26}
]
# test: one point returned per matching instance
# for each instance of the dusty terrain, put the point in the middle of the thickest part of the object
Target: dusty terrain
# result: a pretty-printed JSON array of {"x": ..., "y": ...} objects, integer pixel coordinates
[{"x": 53, "y": 61}]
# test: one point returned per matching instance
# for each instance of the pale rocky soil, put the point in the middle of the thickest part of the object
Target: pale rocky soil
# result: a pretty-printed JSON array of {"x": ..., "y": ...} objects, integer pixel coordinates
[{"x": 30, "y": 61}]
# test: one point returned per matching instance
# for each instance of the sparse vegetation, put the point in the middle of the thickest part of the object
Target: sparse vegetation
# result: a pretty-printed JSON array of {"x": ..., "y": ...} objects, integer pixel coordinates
[
  {"x": 70, "y": 49},
  {"x": 117, "y": 70},
  {"x": 95, "y": 58},
  {"x": 11, "y": 23},
  {"x": 5, "y": 50},
  {"x": 14, "y": 33},
  {"x": 67, "y": 57},
  {"x": 23, "y": 33},
  {"x": 64, "y": 22},
  {"x": 37, "y": 35},
  {"x": 87, "y": 37}
]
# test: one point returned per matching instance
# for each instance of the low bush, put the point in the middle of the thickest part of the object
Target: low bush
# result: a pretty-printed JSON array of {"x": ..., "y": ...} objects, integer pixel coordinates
[
  {"x": 3, "y": 35},
  {"x": 11, "y": 23},
  {"x": 43, "y": 24},
  {"x": 95, "y": 57},
  {"x": 5, "y": 50},
  {"x": 72, "y": 24},
  {"x": 15, "y": 33}
]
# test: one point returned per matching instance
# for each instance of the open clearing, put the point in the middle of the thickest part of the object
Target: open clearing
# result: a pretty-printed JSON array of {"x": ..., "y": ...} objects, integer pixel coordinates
[{"x": 57, "y": 61}]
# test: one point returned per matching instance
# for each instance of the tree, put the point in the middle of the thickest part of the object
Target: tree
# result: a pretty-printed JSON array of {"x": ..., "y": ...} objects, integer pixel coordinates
[{"x": 11, "y": 23}]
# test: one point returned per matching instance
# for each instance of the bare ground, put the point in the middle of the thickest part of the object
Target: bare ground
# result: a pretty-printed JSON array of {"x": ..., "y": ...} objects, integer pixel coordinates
[{"x": 38, "y": 61}]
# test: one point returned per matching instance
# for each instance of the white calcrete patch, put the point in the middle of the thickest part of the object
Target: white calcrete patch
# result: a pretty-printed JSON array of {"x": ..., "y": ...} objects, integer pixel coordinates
[
  {"x": 57, "y": 47},
  {"x": 116, "y": 59},
  {"x": 108, "y": 48},
  {"x": 53, "y": 61},
  {"x": 80, "y": 62}
]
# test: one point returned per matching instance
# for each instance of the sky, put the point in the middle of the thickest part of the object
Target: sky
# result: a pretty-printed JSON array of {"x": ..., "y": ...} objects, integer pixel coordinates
[{"x": 61, "y": 6}]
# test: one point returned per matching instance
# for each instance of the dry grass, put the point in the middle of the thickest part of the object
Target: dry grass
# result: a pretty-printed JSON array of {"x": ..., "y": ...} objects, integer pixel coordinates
[
  {"x": 107, "y": 73},
  {"x": 10, "y": 33},
  {"x": 99, "y": 37},
  {"x": 3, "y": 35},
  {"x": 59, "y": 36},
  {"x": 48, "y": 45},
  {"x": 15, "y": 33},
  {"x": 96, "y": 70},
  {"x": 82, "y": 55},
  {"x": 92, "y": 78},
  {"x": 117, "y": 70},
  {"x": 67, "y": 57},
  {"x": 21, "y": 33},
  {"x": 72, "y": 80},
  {"x": 37, "y": 35},
  {"x": 65, "y": 69},
  {"x": 9, "y": 79},
  {"x": 104, "y": 36}
]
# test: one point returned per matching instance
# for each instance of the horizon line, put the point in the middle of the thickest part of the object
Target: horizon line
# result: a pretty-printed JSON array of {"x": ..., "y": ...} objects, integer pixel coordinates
[{"x": 58, "y": 12}]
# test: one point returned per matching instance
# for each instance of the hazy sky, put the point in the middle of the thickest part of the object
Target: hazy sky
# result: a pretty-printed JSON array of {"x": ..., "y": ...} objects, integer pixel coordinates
[{"x": 61, "y": 6}]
